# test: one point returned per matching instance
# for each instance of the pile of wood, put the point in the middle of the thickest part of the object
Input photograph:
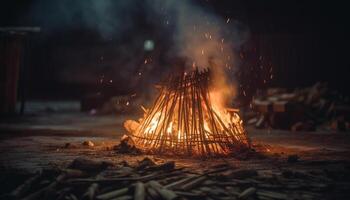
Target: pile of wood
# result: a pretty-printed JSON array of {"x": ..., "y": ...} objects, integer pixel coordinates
[
  {"x": 184, "y": 121},
  {"x": 101, "y": 180},
  {"x": 302, "y": 109}
]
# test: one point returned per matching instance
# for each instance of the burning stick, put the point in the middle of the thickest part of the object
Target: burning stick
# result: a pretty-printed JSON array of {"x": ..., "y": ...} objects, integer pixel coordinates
[{"x": 184, "y": 121}]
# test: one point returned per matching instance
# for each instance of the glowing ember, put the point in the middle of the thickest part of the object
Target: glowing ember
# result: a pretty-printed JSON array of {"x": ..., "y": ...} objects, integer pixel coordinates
[{"x": 187, "y": 119}]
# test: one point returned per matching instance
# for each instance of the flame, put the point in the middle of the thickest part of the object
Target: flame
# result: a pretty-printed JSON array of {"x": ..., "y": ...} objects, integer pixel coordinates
[{"x": 183, "y": 122}]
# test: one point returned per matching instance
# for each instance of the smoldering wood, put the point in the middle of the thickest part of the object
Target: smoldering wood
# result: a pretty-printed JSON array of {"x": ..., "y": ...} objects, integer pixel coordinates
[{"x": 183, "y": 121}]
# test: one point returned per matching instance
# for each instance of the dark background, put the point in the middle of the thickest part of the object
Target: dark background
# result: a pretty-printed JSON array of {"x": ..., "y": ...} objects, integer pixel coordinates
[{"x": 303, "y": 41}]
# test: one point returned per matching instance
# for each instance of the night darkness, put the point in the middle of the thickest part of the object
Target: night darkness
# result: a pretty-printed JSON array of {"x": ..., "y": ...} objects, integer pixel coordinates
[{"x": 317, "y": 32}]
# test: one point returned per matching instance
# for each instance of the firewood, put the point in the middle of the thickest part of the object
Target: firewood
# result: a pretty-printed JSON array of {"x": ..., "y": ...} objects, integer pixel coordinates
[
  {"x": 193, "y": 183},
  {"x": 139, "y": 191},
  {"x": 71, "y": 173},
  {"x": 67, "y": 173},
  {"x": 113, "y": 194},
  {"x": 22, "y": 189},
  {"x": 163, "y": 192},
  {"x": 247, "y": 193},
  {"x": 91, "y": 192},
  {"x": 216, "y": 170},
  {"x": 114, "y": 180},
  {"x": 63, "y": 193},
  {"x": 270, "y": 194},
  {"x": 181, "y": 118},
  {"x": 226, "y": 183},
  {"x": 280, "y": 106},
  {"x": 179, "y": 182},
  {"x": 190, "y": 195},
  {"x": 262, "y": 106},
  {"x": 72, "y": 197},
  {"x": 153, "y": 194},
  {"x": 125, "y": 197}
]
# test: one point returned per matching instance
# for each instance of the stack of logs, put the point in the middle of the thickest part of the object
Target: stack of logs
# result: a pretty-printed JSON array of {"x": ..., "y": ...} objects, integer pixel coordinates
[
  {"x": 101, "y": 180},
  {"x": 301, "y": 110}
]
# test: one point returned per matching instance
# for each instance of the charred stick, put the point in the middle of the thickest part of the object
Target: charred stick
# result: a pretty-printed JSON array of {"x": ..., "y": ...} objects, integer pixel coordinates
[
  {"x": 180, "y": 182},
  {"x": 113, "y": 194},
  {"x": 163, "y": 192},
  {"x": 68, "y": 173},
  {"x": 112, "y": 180},
  {"x": 22, "y": 189},
  {"x": 91, "y": 192},
  {"x": 193, "y": 183},
  {"x": 139, "y": 191}
]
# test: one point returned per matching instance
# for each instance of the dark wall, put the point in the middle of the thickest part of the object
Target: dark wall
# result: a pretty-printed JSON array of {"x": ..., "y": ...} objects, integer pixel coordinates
[{"x": 302, "y": 41}]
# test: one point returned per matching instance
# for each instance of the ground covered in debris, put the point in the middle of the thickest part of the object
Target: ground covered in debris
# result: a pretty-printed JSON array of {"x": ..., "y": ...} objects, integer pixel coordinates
[
  {"x": 292, "y": 166},
  {"x": 68, "y": 157}
]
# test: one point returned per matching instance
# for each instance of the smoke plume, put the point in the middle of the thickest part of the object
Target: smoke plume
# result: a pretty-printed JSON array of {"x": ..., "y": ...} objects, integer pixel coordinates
[{"x": 179, "y": 28}]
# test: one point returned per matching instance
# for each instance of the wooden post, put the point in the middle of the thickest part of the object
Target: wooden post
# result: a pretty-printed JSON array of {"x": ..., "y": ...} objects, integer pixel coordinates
[{"x": 10, "y": 58}]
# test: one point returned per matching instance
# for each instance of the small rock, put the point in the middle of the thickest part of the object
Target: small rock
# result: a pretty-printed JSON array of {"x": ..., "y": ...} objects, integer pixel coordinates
[
  {"x": 88, "y": 143},
  {"x": 69, "y": 145}
]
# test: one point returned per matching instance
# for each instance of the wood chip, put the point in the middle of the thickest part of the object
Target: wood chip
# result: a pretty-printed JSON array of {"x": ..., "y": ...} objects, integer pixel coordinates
[{"x": 247, "y": 193}]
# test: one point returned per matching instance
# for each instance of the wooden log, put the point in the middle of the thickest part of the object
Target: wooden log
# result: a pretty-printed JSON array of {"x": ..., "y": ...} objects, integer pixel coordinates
[
  {"x": 262, "y": 106},
  {"x": 114, "y": 180},
  {"x": 72, "y": 197},
  {"x": 189, "y": 195},
  {"x": 247, "y": 193},
  {"x": 271, "y": 194},
  {"x": 125, "y": 197},
  {"x": 193, "y": 183},
  {"x": 91, "y": 192},
  {"x": 68, "y": 173},
  {"x": 180, "y": 182},
  {"x": 63, "y": 193},
  {"x": 25, "y": 187},
  {"x": 113, "y": 194},
  {"x": 139, "y": 191},
  {"x": 152, "y": 193},
  {"x": 163, "y": 192}
]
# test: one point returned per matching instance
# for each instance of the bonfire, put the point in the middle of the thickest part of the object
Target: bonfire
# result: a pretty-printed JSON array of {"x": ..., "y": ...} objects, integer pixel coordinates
[{"x": 186, "y": 120}]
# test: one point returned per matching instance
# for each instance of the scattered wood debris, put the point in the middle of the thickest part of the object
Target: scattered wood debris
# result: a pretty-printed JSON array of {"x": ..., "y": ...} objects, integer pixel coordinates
[{"x": 102, "y": 180}]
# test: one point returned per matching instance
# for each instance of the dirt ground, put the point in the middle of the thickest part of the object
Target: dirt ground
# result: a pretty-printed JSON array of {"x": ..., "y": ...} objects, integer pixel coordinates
[{"x": 38, "y": 141}]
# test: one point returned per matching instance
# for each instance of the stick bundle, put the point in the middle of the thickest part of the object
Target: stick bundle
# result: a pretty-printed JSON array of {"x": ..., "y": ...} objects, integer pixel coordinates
[{"x": 183, "y": 121}]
